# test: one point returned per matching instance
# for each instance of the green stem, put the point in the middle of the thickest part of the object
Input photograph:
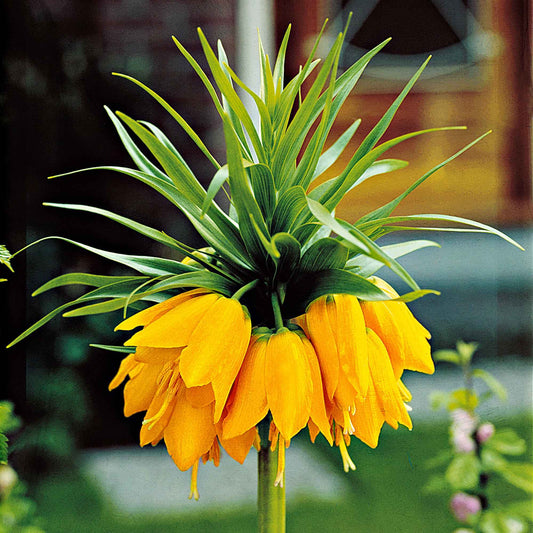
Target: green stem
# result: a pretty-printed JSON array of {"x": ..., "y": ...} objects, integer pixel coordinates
[
  {"x": 270, "y": 499},
  {"x": 244, "y": 289},
  {"x": 278, "y": 319}
]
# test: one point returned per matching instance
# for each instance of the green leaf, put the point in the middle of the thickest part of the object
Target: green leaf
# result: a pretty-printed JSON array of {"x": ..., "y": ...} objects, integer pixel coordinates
[
  {"x": 366, "y": 266},
  {"x": 326, "y": 218},
  {"x": 226, "y": 88},
  {"x": 218, "y": 180},
  {"x": 492, "y": 383},
  {"x": 463, "y": 472},
  {"x": 432, "y": 217},
  {"x": 5, "y": 256},
  {"x": 149, "y": 266},
  {"x": 375, "y": 169},
  {"x": 99, "y": 308},
  {"x": 387, "y": 209},
  {"x": 290, "y": 204},
  {"x": 308, "y": 287},
  {"x": 379, "y": 129},
  {"x": 286, "y": 151},
  {"x": 165, "y": 141},
  {"x": 450, "y": 356},
  {"x": 289, "y": 256},
  {"x": 156, "y": 235},
  {"x": 436, "y": 485},
  {"x": 330, "y": 156},
  {"x": 9, "y": 422},
  {"x": 324, "y": 254},
  {"x": 142, "y": 162},
  {"x": 439, "y": 399},
  {"x": 463, "y": 399},
  {"x": 520, "y": 475},
  {"x": 491, "y": 460},
  {"x": 263, "y": 188},
  {"x": 507, "y": 442},
  {"x": 243, "y": 199},
  {"x": 356, "y": 168},
  {"x": 492, "y": 521},
  {"x": 361, "y": 242},
  {"x": 522, "y": 508},
  {"x": 3, "y": 449},
  {"x": 220, "y": 230},
  {"x": 110, "y": 348},
  {"x": 81, "y": 278},
  {"x": 176, "y": 116}
]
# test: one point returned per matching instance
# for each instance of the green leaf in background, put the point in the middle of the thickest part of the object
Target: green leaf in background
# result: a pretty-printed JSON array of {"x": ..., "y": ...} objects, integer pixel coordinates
[
  {"x": 463, "y": 472},
  {"x": 463, "y": 399},
  {"x": 507, "y": 442},
  {"x": 8, "y": 421},
  {"x": 492, "y": 383},
  {"x": 450, "y": 356},
  {"x": 498, "y": 521},
  {"x": 522, "y": 508},
  {"x": 3, "y": 449},
  {"x": 5, "y": 256}
]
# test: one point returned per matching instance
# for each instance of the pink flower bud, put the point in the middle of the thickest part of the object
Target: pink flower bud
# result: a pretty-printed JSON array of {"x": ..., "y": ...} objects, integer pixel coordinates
[
  {"x": 463, "y": 443},
  {"x": 484, "y": 432},
  {"x": 464, "y": 505},
  {"x": 463, "y": 421}
]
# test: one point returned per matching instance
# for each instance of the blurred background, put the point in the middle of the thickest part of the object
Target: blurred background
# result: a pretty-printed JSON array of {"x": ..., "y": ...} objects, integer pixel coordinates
[{"x": 57, "y": 59}]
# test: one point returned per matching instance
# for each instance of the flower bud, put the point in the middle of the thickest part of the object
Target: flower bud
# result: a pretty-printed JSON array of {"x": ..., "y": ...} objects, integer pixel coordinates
[
  {"x": 464, "y": 505},
  {"x": 8, "y": 479},
  {"x": 463, "y": 443},
  {"x": 463, "y": 421},
  {"x": 484, "y": 432}
]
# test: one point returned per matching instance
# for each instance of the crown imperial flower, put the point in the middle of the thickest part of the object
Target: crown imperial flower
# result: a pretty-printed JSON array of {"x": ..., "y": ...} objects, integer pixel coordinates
[{"x": 279, "y": 322}]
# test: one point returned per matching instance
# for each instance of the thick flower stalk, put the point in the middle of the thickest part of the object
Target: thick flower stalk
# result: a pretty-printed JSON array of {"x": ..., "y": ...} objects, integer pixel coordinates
[{"x": 278, "y": 324}]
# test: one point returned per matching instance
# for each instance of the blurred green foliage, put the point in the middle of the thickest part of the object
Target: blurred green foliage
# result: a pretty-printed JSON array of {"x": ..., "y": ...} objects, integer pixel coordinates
[{"x": 480, "y": 456}]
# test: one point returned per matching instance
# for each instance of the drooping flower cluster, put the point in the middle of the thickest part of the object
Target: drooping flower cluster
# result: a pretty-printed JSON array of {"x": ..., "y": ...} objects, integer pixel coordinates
[
  {"x": 205, "y": 378},
  {"x": 284, "y": 326}
]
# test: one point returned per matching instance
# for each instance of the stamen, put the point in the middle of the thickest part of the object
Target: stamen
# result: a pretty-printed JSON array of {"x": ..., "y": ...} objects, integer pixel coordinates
[
  {"x": 194, "y": 482},
  {"x": 347, "y": 462},
  {"x": 281, "y": 464},
  {"x": 348, "y": 426}
]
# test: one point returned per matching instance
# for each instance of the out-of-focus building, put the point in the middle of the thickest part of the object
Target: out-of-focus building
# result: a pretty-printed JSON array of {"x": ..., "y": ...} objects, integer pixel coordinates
[{"x": 479, "y": 76}]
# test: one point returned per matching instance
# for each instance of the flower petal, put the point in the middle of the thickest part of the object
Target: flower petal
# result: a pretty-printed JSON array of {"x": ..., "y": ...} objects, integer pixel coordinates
[
  {"x": 216, "y": 349},
  {"x": 350, "y": 335},
  {"x": 239, "y": 447},
  {"x": 146, "y": 316},
  {"x": 379, "y": 317},
  {"x": 318, "y": 409},
  {"x": 249, "y": 402},
  {"x": 140, "y": 390},
  {"x": 174, "y": 328},
  {"x": 200, "y": 396},
  {"x": 190, "y": 432},
  {"x": 288, "y": 382},
  {"x": 156, "y": 356},
  {"x": 126, "y": 366},
  {"x": 319, "y": 330},
  {"x": 385, "y": 383}
]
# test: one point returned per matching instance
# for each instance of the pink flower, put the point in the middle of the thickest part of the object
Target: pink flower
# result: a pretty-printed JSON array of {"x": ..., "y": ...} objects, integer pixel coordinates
[
  {"x": 484, "y": 432},
  {"x": 464, "y": 505},
  {"x": 463, "y": 443},
  {"x": 463, "y": 421}
]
